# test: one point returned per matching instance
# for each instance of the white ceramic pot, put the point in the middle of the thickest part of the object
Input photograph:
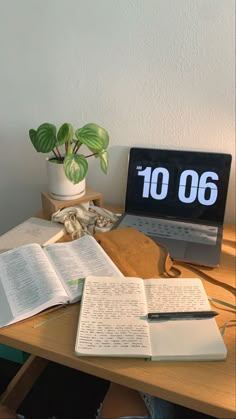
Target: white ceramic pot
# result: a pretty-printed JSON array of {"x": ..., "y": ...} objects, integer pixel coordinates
[{"x": 59, "y": 186}]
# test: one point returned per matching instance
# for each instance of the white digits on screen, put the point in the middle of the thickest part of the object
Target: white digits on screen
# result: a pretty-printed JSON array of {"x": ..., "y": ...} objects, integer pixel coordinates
[
  {"x": 164, "y": 185},
  {"x": 146, "y": 181},
  {"x": 151, "y": 180},
  {"x": 193, "y": 188},
  {"x": 198, "y": 187},
  {"x": 156, "y": 184},
  {"x": 203, "y": 185}
]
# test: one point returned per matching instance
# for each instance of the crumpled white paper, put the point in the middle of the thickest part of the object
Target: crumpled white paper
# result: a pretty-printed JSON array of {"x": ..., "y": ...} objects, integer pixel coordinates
[{"x": 85, "y": 219}]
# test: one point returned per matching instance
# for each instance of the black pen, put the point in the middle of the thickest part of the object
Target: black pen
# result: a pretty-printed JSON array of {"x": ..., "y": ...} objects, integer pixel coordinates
[{"x": 182, "y": 315}]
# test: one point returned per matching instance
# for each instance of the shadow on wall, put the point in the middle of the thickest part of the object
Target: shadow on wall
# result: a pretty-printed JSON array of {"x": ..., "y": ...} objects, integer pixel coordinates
[
  {"x": 112, "y": 185},
  {"x": 20, "y": 202}
]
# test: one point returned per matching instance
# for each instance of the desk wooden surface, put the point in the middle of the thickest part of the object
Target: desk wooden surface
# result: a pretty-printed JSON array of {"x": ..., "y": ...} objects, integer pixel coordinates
[{"x": 208, "y": 387}]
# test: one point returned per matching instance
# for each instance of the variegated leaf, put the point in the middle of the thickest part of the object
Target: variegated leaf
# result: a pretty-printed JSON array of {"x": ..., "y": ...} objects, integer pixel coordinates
[
  {"x": 75, "y": 167},
  {"x": 46, "y": 138},
  {"x": 65, "y": 134},
  {"x": 93, "y": 136},
  {"x": 32, "y": 135},
  {"x": 104, "y": 158}
]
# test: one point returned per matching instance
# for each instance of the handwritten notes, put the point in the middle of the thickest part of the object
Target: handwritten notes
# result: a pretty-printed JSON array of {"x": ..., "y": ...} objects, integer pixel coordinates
[{"x": 111, "y": 317}]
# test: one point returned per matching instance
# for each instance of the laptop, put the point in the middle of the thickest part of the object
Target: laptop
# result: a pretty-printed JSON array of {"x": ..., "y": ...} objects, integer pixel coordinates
[{"x": 178, "y": 199}]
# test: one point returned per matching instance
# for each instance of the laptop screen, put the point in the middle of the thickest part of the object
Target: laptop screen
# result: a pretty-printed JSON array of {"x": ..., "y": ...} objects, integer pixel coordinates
[{"x": 183, "y": 185}]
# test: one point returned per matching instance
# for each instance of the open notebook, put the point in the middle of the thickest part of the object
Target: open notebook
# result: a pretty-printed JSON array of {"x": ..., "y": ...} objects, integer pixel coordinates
[{"x": 113, "y": 320}]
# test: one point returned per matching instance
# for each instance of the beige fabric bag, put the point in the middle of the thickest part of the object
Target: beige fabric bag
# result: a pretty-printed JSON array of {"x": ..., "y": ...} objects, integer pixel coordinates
[{"x": 136, "y": 254}]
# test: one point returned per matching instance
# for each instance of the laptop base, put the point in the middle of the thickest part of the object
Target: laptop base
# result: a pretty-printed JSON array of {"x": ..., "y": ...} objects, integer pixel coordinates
[{"x": 181, "y": 250}]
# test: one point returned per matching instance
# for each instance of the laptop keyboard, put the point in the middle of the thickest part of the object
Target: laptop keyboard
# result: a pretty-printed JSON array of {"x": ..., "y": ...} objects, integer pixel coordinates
[{"x": 172, "y": 229}]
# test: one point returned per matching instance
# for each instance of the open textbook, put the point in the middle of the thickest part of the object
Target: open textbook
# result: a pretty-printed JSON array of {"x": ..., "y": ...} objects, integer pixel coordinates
[
  {"x": 113, "y": 320},
  {"x": 33, "y": 278}
]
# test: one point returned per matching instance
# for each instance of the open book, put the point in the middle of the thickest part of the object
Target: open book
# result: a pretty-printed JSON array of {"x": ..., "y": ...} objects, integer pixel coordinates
[
  {"x": 113, "y": 320},
  {"x": 33, "y": 278},
  {"x": 32, "y": 230}
]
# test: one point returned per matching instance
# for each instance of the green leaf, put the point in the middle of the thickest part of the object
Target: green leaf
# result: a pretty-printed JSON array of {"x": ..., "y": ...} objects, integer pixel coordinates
[
  {"x": 226, "y": 325},
  {"x": 65, "y": 134},
  {"x": 100, "y": 132},
  {"x": 75, "y": 167},
  {"x": 94, "y": 137},
  {"x": 225, "y": 303},
  {"x": 46, "y": 138},
  {"x": 104, "y": 158},
  {"x": 32, "y": 134}
]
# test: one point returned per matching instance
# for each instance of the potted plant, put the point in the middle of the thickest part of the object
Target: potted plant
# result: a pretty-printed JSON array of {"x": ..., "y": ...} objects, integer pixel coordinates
[{"x": 67, "y": 168}]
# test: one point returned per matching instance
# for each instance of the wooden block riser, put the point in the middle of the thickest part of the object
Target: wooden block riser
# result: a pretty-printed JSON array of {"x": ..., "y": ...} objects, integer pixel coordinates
[{"x": 51, "y": 205}]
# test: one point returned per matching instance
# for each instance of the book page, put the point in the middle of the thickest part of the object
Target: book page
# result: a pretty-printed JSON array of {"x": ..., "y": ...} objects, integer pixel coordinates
[
  {"x": 32, "y": 230},
  {"x": 182, "y": 339},
  {"x": 75, "y": 260},
  {"x": 5, "y": 311},
  {"x": 175, "y": 294},
  {"x": 29, "y": 281},
  {"x": 112, "y": 318}
]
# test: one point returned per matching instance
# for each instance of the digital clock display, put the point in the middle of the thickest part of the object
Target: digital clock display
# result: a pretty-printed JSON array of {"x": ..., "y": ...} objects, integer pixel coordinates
[{"x": 178, "y": 184}]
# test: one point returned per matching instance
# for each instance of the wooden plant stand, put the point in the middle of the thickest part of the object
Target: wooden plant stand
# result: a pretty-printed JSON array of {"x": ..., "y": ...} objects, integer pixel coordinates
[{"x": 51, "y": 205}]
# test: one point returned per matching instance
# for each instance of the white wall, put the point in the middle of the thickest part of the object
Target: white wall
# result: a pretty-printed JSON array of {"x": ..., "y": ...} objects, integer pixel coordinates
[{"x": 153, "y": 72}]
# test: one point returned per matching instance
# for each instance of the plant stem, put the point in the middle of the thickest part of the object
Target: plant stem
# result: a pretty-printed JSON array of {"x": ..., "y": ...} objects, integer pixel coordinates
[
  {"x": 55, "y": 154},
  {"x": 90, "y": 155},
  {"x": 77, "y": 145},
  {"x": 75, "y": 149},
  {"x": 59, "y": 157}
]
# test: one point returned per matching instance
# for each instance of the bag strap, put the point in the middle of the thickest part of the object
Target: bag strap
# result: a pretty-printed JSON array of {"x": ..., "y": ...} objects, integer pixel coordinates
[
  {"x": 169, "y": 269},
  {"x": 172, "y": 271},
  {"x": 206, "y": 276}
]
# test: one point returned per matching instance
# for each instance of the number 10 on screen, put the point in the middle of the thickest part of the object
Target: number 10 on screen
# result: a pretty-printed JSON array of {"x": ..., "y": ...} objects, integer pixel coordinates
[{"x": 191, "y": 185}]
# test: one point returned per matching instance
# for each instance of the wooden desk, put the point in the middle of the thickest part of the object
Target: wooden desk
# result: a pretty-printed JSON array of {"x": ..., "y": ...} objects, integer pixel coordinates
[{"x": 208, "y": 387}]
